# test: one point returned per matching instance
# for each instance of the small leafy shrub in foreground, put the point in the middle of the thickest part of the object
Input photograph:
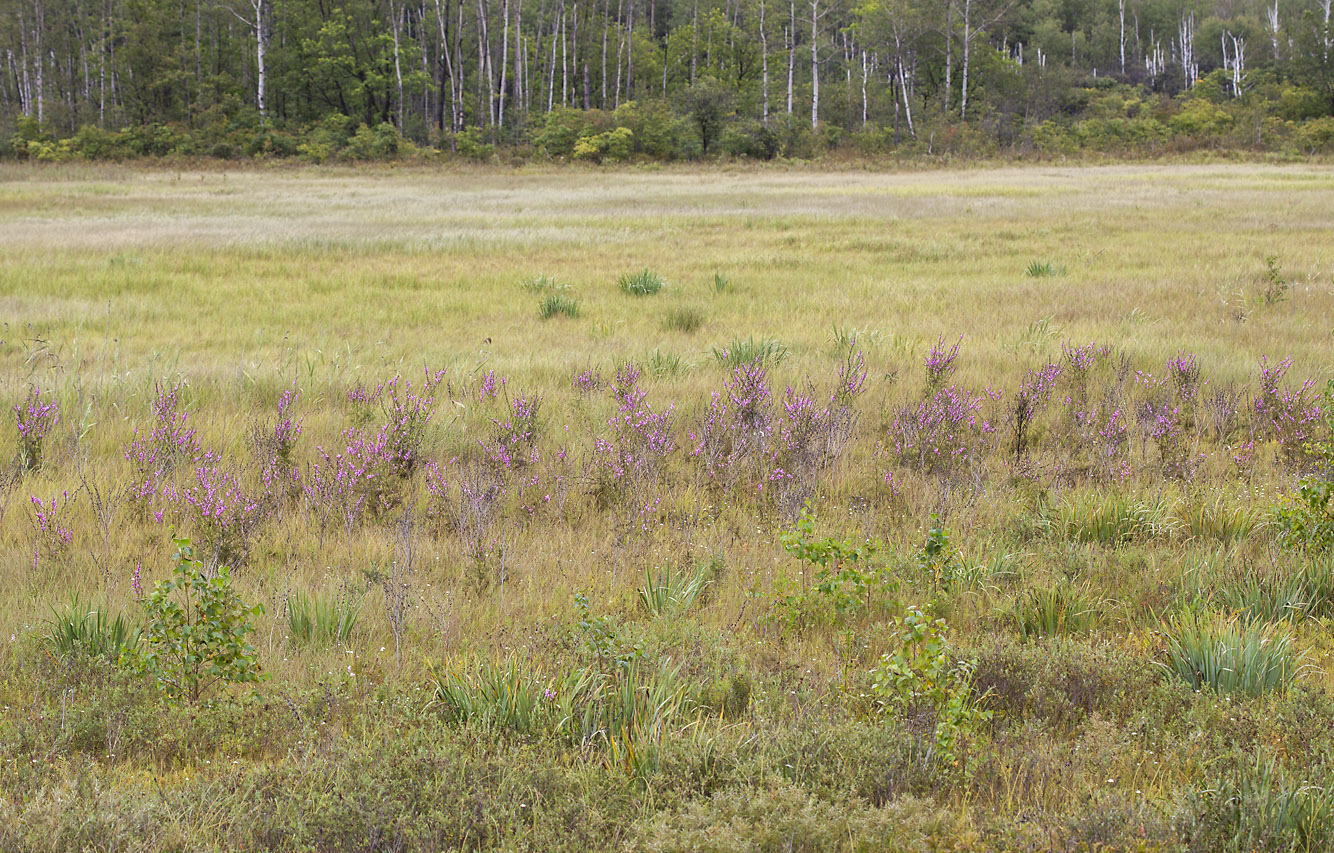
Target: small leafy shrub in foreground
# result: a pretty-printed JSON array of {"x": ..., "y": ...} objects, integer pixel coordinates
[
  {"x": 1307, "y": 520},
  {"x": 643, "y": 283},
  {"x": 1228, "y": 655},
  {"x": 923, "y": 672},
  {"x": 839, "y": 583},
  {"x": 195, "y": 638}
]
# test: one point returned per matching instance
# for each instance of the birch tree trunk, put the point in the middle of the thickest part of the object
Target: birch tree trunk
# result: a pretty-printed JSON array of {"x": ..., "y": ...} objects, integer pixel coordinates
[
  {"x": 949, "y": 53},
  {"x": 967, "y": 39},
  {"x": 815, "y": 67},
  {"x": 764, "y": 66},
  {"x": 791, "y": 52}
]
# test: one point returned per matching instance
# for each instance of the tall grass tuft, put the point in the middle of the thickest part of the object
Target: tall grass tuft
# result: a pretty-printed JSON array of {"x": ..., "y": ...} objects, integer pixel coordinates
[
  {"x": 684, "y": 319},
  {"x": 643, "y": 283},
  {"x": 322, "y": 620},
  {"x": 1220, "y": 520},
  {"x": 1228, "y": 655},
  {"x": 1056, "y": 611},
  {"x": 542, "y": 284},
  {"x": 669, "y": 593},
  {"x": 660, "y": 364},
  {"x": 558, "y": 304},
  {"x": 1109, "y": 519},
  {"x": 496, "y": 695},
  {"x": 1040, "y": 269},
  {"x": 769, "y": 352},
  {"x": 78, "y": 629},
  {"x": 1258, "y": 808}
]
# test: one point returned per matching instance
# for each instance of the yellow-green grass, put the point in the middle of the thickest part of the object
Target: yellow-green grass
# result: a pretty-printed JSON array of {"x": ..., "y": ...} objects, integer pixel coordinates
[{"x": 242, "y": 283}]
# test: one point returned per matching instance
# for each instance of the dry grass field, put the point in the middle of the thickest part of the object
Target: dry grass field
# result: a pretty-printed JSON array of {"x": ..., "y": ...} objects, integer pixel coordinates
[{"x": 753, "y": 560}]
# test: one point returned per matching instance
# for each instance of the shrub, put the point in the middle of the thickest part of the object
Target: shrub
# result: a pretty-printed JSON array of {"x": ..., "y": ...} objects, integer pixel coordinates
[
  {"x": 195, "y": 638},
  {"x": 615, "y": 146},
  {"x": 922, "y": 671},
  {"x": 1228, "y": 655},
  {"x": 646, "y": 282},
  {"x": 1307, "y": 520},
  {"x": 1061, "y": 681}
]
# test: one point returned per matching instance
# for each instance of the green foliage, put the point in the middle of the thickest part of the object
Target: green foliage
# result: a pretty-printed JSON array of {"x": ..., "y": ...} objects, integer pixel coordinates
[
  {"x": 472, "y": 143},
  {"x": 721, "y": 284},
  {"x": 708, "y": 103},
  {"x": 322, "y": 620},
  {"x": 838, "y": 584},
  {"x": 646, "y": 282},
  {"x": 195, "y": 637},
  {"x": 769, "y": 352},
  {"x": 1228, "y": 655},
  {"x": 1273, "y": 286},
  {"x": 939, "y": 561},
  {"x": 79, "y": 629},
  {"x": 923, "y": 672},
  {"x": 614, "y": 146}
]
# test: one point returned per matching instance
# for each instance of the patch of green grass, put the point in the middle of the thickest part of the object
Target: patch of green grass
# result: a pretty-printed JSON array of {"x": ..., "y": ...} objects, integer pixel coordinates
[
  {"x": 685, "y": 319},
  {"x": 646, "y": 282},
  {"x": 1057, "y": 610},
  {"x": 768, "y": 352},
  {"x": 82, "y": 629},
  {"x": 1044, "y": 269},
  {"x": 558, "y": 305},
  {"x": 1227, "y": 655},
  {"x": 324, "y": 620}
]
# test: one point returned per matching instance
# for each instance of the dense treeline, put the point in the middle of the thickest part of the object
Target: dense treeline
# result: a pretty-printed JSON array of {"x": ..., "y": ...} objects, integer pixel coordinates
[{"x": 660, "y": 78}]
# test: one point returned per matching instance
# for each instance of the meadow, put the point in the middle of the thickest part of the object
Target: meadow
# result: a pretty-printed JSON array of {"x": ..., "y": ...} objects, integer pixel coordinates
[{"x": 690, "y": 509}]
